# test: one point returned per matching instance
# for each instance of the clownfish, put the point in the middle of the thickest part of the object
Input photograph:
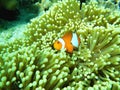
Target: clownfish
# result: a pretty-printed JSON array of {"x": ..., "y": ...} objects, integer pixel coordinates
[{"x": 69, "y": 41}]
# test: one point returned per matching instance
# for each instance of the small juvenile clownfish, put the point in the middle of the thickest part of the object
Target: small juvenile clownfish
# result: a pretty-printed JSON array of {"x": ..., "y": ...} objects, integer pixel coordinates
[{"x": 69, "y": 41}]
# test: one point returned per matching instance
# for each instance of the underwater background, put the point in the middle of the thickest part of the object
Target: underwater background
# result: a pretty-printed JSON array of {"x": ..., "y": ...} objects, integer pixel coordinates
[{"x": 28, "y": 29}]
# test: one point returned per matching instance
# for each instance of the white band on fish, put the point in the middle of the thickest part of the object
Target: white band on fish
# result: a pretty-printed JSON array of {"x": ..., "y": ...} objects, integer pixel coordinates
[
  {"x": 62, "y": 42},
  {"x": 74, "y": 40}
]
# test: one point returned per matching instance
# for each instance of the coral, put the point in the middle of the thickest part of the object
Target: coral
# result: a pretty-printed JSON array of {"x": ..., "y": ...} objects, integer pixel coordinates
[{"x": 31, "y": 63}]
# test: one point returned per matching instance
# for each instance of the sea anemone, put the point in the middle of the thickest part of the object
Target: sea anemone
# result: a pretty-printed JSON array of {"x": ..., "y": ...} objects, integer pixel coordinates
[{"x": 31, "y": 63}]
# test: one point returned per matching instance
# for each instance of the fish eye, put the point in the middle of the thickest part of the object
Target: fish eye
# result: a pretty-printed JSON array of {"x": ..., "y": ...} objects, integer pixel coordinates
[{"x": 58, "y": 42}]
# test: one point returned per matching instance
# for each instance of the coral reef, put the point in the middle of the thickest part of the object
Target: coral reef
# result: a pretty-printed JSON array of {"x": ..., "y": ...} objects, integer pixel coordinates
[{"x": 30, "y": 62}]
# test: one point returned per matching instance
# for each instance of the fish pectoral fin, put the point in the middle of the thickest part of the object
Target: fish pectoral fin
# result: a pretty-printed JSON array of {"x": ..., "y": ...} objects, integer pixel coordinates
[{"x": 70, "y": 49}]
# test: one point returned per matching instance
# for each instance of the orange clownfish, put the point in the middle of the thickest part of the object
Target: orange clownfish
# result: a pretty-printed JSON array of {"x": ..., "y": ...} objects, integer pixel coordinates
[{"x": 69, "y": 41}]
